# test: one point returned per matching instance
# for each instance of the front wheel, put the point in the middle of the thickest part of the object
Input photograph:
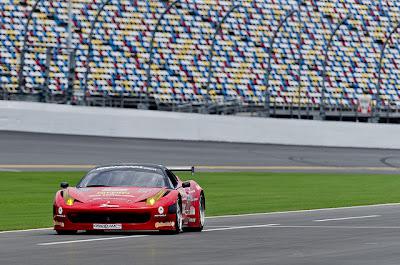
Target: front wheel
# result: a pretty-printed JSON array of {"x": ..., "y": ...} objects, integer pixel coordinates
[{"x": 178, "y": 217}]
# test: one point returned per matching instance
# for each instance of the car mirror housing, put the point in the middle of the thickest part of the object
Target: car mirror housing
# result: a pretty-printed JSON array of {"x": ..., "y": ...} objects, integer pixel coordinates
[{"x": 186, "y": 184}]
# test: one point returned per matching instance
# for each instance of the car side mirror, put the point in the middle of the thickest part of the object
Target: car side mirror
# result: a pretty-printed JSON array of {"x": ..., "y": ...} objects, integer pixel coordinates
[
  {"x": 186, "y": 184},
  {"x": 64, "y": 185}
]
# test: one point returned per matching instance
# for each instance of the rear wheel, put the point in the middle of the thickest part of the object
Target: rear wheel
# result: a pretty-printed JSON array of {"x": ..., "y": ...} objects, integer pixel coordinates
[
  {"x": 66, "y": 232},
  {"x": 202, "y": 214}
]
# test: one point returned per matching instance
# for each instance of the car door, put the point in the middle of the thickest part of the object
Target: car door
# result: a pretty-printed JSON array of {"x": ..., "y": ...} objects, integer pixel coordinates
[{"x": 184, "y": 192}]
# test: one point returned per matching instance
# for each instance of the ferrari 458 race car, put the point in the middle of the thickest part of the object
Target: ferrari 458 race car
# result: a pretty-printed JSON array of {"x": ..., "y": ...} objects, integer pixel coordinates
[{"x": 130, "y": 198}]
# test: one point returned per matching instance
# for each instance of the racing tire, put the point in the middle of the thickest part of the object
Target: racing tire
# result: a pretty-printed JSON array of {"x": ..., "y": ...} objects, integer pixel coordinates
[
  {"x": 178, "y": 217},
  {"x": 66, "y": 232},
  {"x": 202, "y": 215}
]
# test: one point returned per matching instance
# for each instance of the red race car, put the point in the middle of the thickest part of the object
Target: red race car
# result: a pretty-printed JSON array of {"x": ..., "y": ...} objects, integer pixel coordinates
[{"x": 130, "y": 198}]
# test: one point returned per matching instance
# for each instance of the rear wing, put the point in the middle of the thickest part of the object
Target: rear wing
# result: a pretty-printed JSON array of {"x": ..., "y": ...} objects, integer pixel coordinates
[{"x": 182, "y": 169}]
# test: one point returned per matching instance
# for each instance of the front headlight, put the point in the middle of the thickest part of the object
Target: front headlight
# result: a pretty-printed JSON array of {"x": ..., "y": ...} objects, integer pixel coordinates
[
  {"x": 153, "y": 199},
  {"x": 68, "y": 199}
]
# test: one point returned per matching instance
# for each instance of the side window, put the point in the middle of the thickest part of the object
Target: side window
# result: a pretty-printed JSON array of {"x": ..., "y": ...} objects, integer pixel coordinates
[{"x": 172, "y": 178}]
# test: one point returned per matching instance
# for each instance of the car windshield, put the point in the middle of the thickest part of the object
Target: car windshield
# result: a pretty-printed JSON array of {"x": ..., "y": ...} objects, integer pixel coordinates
[{"x": 125, "y": 177}]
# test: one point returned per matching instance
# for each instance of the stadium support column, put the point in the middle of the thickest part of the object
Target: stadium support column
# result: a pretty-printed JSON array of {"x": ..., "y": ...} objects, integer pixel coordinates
[
  {"x": 378, "y": 85},
  {"x": 24, "y": 47},
  {"x": 69, "y": 29},
  {"x": 322, "y": 112},
  {"x": 270, "y": 53},
  {"x": 211, "y": 54},
  {"x": 90, "y": 47},
  {"x": 151, "y": 52},
  {"x": 45, "y": 94},
  {"x": 300, "y": 43},
  {"x": 70, "y": 53},
  {"x": 71, "y": 76},
  {"x": 2, "y": 88}
]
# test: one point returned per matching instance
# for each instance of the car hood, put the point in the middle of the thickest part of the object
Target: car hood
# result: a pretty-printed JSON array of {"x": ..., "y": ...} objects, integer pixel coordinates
[{"x": 121, "y": 196}]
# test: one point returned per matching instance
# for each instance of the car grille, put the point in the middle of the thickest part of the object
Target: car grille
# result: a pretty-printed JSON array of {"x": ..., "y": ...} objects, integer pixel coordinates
[{"x": 109, "y": 218}]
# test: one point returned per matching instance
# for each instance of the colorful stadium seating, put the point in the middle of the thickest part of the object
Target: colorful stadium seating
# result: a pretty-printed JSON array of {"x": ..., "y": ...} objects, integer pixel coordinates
[{"x": 179, "y": 72}]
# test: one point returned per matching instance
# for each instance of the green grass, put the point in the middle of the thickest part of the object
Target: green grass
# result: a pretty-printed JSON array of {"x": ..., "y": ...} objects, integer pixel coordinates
[{"x": 26, "y": 197}]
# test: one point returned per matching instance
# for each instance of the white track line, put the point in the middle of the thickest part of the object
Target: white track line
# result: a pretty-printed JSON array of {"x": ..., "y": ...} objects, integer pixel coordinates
[
  {"x": 26, "y": 230},
  {"x": 136, "y": 236},
  {"x": 347, "y": 218},
  {"x": 222, "y": 229},
  {"x": 306, "y": 211},
  {"x": 9, "y": 170},
  {"x": 250, "y": 214},
  {"x": 215, "y": 226},
  {"x": 336, "y": 227},
  {"x": 89, "y": 240},
  {"x": 238, "y": 227}
]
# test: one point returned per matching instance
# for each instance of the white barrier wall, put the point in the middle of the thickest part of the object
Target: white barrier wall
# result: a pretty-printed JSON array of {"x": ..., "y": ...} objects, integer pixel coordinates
[{"x": 62, "y": 119}]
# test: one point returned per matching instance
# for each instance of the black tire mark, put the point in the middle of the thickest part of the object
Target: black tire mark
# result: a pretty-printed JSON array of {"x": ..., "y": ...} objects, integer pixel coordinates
[
  {"x": 308, "y": 162},
  {"x": 384, "y": 161}
]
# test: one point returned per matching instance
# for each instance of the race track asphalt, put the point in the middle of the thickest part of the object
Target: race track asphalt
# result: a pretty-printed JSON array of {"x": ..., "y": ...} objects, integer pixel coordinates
[
  {"x": 27, "y": 151},
  {"x": 360, "y": 235}
]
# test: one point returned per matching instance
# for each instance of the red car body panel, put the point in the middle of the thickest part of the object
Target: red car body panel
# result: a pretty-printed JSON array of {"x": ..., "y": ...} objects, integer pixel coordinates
[{"x": 125, "y": 208}]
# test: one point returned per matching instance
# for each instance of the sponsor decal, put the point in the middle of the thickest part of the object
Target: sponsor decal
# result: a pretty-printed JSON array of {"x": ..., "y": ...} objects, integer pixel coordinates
[
  {"x": 114, "y": 189},
  {"x": 160, "y": 215},
  {"x": 160, "y": 210},
  {"x": 107, "y": 226},
  {"x": 192, "y": 210},
  {"x": 56, "y": 223},
  {"x": 60, "y": 216},
  {"x": 60, "y": 210},
  {"x": 96, "y": 198},
  {"x": 192, "y": 220},
  {"x": 113, "y": 193},
  {"x": 164, "y": 224}
]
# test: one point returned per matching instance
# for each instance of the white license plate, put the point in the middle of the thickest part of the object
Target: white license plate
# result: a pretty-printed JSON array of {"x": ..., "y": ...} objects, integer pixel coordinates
[{"x": 107, "y": 226}]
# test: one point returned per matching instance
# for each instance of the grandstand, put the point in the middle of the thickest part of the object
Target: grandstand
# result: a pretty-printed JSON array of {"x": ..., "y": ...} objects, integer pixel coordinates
[{"x": 279, "y": 57}]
